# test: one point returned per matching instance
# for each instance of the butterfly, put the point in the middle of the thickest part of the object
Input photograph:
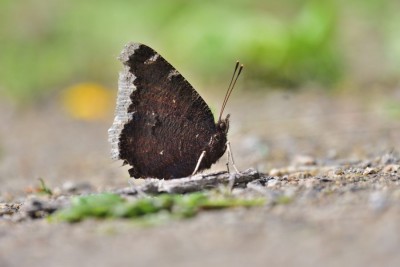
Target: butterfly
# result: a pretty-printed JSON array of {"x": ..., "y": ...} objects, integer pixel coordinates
[{"x": 162, "y": 127}]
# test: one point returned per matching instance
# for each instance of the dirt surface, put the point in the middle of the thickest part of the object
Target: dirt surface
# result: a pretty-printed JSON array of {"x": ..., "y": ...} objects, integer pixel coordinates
[{"x": 331, "y": 184}]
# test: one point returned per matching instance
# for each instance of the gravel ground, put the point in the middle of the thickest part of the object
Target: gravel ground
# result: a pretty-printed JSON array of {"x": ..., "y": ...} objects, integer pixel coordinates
[{"x": 330, "y": 179}]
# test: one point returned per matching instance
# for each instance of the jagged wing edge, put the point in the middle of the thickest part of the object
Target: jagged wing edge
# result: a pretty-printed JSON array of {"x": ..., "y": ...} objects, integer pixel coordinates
[{"x": 125, "y": 89}]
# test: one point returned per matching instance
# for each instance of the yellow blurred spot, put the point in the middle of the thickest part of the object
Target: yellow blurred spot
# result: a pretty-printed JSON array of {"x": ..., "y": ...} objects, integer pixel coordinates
[{"x": 88, "y": 101}]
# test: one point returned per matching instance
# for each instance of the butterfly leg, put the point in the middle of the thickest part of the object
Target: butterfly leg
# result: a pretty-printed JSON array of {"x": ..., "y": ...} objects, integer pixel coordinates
[
  {"x": 199, "y": 162},
  {"x": 230, "y": 156}
]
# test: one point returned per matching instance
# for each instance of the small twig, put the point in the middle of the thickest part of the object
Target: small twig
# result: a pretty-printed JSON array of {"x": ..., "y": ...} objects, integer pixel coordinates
[{"x": 192, "y": 184}]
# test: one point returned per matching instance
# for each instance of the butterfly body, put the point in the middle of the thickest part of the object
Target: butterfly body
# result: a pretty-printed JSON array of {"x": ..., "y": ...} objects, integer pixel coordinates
[{"x": 162, "y": 125}]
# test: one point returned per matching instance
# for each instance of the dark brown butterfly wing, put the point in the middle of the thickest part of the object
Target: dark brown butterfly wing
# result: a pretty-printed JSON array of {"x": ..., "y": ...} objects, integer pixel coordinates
[{"x": 162, "y": 124}]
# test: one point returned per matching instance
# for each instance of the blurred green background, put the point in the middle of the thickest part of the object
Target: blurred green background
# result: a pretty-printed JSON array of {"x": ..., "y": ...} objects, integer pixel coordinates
[{"x": 49, "y": 45}]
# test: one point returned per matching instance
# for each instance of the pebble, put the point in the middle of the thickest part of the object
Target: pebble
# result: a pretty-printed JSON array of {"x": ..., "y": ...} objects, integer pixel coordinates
[
  {"x": 389, "y": 158},
  {"x": 35, "y": 208},
  {"x": 273, "y": 182},
  {"x": 304, "y": 160},
  {"x": 391, "y": 168},
  {"x": 277, "y": 172},
  {"x": 338, "y": 171},
  {"x": 370, "y": 170},
  {"x": 9, "y": 208},
  {"x": 74, "y": 187}
]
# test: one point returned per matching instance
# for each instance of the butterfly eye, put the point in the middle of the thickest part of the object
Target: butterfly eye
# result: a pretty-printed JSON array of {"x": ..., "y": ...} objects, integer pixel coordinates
[{"x": 222, "y": 125}]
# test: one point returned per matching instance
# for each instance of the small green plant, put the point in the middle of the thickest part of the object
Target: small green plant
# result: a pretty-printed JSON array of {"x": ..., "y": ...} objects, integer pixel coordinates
[
  {"x": 150, "y": 210},
  {"x": 43, "y": 188}
]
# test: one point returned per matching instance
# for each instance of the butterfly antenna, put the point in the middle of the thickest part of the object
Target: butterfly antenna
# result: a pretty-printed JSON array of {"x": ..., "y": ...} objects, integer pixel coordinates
[
  {"x": 227, "y": 91},
  {"x": 231, "y": 86}
]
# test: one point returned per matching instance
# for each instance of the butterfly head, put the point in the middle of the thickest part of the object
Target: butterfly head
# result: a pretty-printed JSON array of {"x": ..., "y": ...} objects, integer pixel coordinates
[{"x": 223, "y": 124}]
